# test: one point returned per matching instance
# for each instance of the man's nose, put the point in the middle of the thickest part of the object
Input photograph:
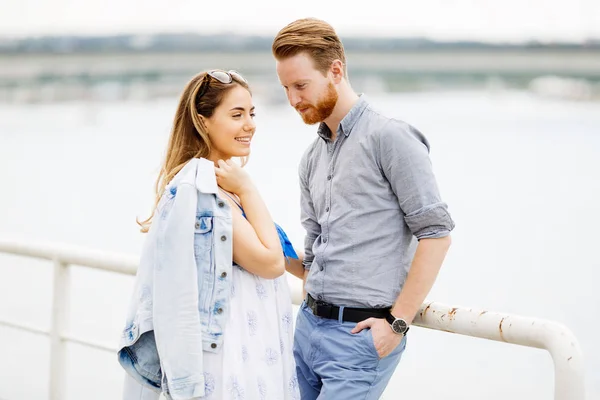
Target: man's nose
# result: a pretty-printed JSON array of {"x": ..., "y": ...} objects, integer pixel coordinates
[{"x": 293, "y": 98}]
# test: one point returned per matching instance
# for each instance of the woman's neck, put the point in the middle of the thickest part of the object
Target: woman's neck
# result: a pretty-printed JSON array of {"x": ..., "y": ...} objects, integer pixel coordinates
[{"x": 216, "y": 157}]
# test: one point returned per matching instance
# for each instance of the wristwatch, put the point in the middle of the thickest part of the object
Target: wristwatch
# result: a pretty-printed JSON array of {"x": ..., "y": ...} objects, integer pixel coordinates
[{"x": 398, "y": 325}]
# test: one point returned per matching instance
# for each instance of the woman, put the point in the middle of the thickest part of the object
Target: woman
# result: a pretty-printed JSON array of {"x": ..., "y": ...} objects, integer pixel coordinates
[{"x": 211, "y": 315}]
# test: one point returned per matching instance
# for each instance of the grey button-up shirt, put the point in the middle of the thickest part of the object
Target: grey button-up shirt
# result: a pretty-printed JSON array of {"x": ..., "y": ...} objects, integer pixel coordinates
[{"x": 366, "y": 198}]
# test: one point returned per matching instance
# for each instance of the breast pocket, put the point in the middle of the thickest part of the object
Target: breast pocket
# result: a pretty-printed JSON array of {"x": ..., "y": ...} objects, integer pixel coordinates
[{"x": 203, "y": 234}]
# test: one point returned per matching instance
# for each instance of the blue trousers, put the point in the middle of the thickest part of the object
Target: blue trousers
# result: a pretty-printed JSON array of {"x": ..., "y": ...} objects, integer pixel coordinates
[{"x": 332, "y": 363}]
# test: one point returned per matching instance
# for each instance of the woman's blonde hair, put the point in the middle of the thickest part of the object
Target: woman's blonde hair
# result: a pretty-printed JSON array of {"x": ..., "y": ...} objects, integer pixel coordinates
[{"x": 189, "y": 137}]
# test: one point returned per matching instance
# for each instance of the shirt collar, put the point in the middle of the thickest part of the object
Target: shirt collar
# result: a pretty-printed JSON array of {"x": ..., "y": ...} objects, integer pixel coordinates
[{"x": 348, "y": 121}]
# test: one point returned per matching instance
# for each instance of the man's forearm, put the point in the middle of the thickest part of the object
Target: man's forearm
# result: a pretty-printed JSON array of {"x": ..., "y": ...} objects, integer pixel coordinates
[
  {"x": 306, "y": 271},
  {"x": 426, "y": 264},
  {"x": 295, "y": 266}
]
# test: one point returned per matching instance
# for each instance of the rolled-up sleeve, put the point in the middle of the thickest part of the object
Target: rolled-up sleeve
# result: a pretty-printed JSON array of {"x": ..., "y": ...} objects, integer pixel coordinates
[
  {"x": 404, "y": 159},
  {"x": 308, "y": 217}
]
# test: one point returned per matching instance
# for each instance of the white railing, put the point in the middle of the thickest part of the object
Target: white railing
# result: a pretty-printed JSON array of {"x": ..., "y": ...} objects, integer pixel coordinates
[{"x": 551, "y": 336}]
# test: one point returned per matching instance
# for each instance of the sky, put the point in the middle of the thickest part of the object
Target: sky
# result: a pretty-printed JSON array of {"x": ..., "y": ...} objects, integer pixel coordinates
[{"x": 446, "y": 20}]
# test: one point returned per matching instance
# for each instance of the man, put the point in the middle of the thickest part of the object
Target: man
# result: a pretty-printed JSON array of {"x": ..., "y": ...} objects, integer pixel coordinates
[{"x": 377, "y": 230}]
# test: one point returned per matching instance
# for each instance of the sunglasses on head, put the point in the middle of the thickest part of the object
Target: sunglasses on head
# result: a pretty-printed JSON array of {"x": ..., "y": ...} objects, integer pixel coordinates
[{"x": 224, "y": 77}]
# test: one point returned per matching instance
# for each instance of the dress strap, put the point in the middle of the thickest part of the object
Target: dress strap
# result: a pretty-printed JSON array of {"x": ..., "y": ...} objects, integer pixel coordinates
[{"x": 234, "y": 200}]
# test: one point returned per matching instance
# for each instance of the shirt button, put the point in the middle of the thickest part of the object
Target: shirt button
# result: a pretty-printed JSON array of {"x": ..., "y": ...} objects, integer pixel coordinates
[
  {"x": 213, "y": 345},
  {"x": 328, "y": 177},
  {"x": 220, "y": 311},
  {"x": 224, "y": 275},
  {"x": 197, "y": 225},
  {"x": 325, "y": 240},
  {"x": 320, "y": 297},
  {"x": 322, "y": 268},
  {"x": 223, "y": 238},
  {"x": 327, "y": 209},
  {"x": 221, "y": 204}
]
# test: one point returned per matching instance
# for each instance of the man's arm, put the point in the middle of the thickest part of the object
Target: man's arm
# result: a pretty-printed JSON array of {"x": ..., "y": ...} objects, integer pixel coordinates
[
  {"x": 404, "y": 159},
  {"x": 426, "y": 264},
  {"x": 425, "y": 267},
  {"x": 295, "y": 266},
  {"x": 306, "y": 271},
  {"x": 308, "y": 219}
]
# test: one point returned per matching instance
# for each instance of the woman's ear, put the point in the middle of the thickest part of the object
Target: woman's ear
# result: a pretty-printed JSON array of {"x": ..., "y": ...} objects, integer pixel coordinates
[{"x": 204, "y": 123}]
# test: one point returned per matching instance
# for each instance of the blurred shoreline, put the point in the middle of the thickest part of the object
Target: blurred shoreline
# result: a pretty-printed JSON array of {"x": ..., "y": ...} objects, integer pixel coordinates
[
  {"x": 147, "y": 67},
  {"x": 42, "y": 78}
]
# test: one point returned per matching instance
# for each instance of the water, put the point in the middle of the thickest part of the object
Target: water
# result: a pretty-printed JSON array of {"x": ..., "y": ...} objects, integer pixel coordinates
[{"x": 520, "y": 175}]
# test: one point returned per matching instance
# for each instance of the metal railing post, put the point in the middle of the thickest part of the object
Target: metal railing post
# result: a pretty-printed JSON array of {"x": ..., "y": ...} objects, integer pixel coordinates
[{"x": 60, "y": 303}]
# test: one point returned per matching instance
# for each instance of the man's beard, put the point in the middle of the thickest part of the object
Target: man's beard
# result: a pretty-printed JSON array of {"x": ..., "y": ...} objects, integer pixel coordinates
[{"x": 323, "y": 109}]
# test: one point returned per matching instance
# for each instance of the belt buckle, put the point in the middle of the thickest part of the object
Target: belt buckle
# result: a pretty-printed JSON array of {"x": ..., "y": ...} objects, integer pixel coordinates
[
  {"x": 313, "y": 306},
  {"x": 322, "y": 309}
]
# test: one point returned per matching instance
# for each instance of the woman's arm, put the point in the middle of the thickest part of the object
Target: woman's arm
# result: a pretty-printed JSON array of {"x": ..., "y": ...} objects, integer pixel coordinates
[{"x": 256, "y": 245}]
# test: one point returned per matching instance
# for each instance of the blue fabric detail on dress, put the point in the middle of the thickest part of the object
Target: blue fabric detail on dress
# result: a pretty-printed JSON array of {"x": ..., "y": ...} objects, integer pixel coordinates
[{"x": 286, "y": 245}]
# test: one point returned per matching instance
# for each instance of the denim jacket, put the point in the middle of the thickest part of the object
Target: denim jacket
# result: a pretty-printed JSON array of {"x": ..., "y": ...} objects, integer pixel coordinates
[{"x": 180, "y": 301}]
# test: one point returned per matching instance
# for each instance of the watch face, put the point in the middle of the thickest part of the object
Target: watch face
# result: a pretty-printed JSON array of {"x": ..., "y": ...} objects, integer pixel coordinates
[{"x": 399, "y": 326}]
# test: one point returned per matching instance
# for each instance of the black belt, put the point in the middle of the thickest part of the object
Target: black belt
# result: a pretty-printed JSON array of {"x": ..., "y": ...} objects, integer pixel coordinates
[{"x": 326, "y": 310}]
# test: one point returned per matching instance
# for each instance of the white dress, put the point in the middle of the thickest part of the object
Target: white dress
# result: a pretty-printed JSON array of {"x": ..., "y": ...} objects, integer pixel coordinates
[{"x": 256, "y": 360}]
